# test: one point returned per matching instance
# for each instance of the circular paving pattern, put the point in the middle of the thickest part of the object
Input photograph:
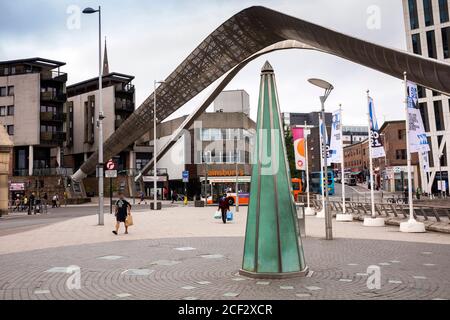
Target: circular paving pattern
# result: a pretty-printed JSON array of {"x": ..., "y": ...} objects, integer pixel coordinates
[{"x": 207, "y": 268}]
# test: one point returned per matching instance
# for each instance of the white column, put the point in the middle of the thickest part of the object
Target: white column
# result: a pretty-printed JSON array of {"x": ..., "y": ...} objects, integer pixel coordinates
[
  {"x": 58, "y": 156},
  {"x": 321, "y": 213},
  {"x": 30, "y": 160}
]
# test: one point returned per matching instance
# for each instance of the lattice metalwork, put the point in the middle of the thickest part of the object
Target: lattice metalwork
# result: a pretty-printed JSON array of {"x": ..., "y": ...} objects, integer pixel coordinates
[{"x": 245, "y": 34}]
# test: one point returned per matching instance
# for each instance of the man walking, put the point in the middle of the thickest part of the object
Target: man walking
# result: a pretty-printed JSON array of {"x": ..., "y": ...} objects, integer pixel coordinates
[
  {"x": 123, "y": 210},
  {"x": 224, "y": 207}
]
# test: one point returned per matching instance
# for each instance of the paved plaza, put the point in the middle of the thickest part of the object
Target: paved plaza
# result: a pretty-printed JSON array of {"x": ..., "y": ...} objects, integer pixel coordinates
[{"x": 183, "y": 253}]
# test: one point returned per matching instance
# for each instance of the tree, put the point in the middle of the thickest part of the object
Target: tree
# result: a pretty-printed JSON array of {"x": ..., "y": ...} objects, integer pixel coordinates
[{"x": 289, "y": 140}]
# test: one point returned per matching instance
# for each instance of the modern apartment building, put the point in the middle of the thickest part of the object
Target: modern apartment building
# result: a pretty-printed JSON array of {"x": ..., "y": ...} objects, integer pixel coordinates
[
  {"x": 428, "y": 33},
  {"x": 83, "y": 109},
  {"x": 33, "y": 110},
  {"x": 354, "y": 134}
]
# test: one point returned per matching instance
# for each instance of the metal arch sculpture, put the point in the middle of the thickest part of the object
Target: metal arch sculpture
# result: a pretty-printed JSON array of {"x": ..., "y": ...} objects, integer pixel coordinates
[{"x": 245, "y": 34}]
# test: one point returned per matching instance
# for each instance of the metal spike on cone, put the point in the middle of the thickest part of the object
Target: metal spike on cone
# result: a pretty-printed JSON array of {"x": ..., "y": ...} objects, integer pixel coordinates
[{"x": 273, "y": 247}]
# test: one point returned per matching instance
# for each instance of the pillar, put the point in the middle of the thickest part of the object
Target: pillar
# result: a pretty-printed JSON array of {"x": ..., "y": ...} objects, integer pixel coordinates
[{"x": 30, "y": 160}]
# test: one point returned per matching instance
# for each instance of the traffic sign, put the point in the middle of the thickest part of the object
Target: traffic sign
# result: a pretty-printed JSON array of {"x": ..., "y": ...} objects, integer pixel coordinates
[
  {"x": 111, "y": 173},
  {"x": 185, "y": 176},
  {"x": 111, "y": 165}
]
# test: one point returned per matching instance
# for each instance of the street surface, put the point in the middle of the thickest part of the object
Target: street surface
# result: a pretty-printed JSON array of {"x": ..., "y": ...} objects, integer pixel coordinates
[{"x": 183, "y": 253}]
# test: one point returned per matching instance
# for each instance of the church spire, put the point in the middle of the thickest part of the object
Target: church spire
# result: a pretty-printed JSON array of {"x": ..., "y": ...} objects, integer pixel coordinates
[{"x": 105, "y": 61}]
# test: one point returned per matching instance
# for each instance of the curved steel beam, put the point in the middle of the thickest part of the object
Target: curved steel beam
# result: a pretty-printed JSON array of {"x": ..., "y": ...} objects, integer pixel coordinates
[
  {"x": 245, "y": 34},
  {"x": 189, "y": 121}
]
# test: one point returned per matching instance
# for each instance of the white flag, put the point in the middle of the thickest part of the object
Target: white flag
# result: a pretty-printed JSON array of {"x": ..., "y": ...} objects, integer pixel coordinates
[
  {"x": 418, "y": 141},
  {"x": 375, "y": 139},
  {"x": 335, "y": 150}
]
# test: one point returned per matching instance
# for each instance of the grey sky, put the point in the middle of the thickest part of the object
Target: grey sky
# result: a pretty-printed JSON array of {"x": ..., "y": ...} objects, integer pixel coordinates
[{"x": 148, "y": 39}]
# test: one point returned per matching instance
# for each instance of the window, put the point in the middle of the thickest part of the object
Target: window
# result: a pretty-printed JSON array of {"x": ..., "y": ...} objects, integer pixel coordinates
[
  {"x": 443, "y": 10},
  {"x": 431, "y": 43},
  {"x": 400, "y": 154},
  {"x": 413, "y": 16},
  {"x": 445, "y": 40},
  {"x": 401, "y": 134},
  {"x": 424, "y": 113},
  {"x": 439, "y": 115},
  {"x": 10, "y": 130},
  {"x": 428, "y": 12},
  {"x": 10, "y": 110},
  {"x": 2, "y": 91},
  {"x": 422, "y": 92},
  {"x": 10, "y": 90},
  {"x": 417, "y": 49},
  {"x": 2, "y": 111}
]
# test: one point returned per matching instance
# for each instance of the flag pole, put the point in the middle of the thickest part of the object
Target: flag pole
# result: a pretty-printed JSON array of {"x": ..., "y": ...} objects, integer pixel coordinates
[
  {"x": 321, "y": 213},
  {"x": 412, "y": 226},
  {"x": 344, "y": 216},
  {"x": 342, "y": 161},
  {"x": 307, "y": 166},
  {"x": 373, "y": 221},
  {"x": 308, "y": 211}
]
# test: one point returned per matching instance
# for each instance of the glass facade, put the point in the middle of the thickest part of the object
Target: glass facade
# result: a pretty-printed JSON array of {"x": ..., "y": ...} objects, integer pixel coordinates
[
  {"x": 428, "y": 13},
  {"x": 413, "y": 15},
  {"x": 416, "y": 44},
  {"x": 439, "y": 115},
  {"x": 431, "y": 43},
  {"x": 445, "y": 40},
  {"x": 443, "y": 11}
]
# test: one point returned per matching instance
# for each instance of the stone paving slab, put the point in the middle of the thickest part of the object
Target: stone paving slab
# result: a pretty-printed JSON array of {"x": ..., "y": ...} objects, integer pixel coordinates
[
  {"x": 183, "y": 222},
  {"x": 23, "y": 275}
]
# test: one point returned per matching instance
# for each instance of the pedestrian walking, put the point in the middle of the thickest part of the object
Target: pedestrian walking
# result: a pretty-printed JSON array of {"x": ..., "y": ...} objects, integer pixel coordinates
[
  {"x": 142, "y": 198},
  {"x": 174, "y": 196},
  {"x": 31, "y": 204},
  {"x": 66, "y": 198},
  {"x": 123, "y": 210},
  {"x": 224, "y": 207},
  {"x": 54, "y": 200},
  {"x": 24, "y": 203}
]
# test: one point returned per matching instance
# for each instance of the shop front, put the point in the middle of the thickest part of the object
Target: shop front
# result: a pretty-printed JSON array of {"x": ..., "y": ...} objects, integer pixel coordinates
[{"x": 395, "y": 179}]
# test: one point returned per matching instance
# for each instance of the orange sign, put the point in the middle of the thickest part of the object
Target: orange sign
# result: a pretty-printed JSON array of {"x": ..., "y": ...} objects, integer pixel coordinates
[{"x": 225, "y": 173}]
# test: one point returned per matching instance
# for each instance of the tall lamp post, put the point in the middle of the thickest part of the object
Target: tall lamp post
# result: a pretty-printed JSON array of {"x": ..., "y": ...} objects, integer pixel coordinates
[
  {"x": 155, "y": 174},
  {"x": 328, "y": 87},
  {"x": 100, "y": 166}
]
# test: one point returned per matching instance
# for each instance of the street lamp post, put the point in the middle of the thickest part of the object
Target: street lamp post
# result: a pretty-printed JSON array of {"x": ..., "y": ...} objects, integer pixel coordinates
[
  {"x": 328, "y": 87},
  {"x": 100, "y": 166},
  {"x": 155, "y": 174}
]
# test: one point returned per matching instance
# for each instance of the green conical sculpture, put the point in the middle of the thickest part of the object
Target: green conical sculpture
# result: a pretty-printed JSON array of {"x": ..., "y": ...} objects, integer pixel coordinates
[{"x": 273, "y": 247}]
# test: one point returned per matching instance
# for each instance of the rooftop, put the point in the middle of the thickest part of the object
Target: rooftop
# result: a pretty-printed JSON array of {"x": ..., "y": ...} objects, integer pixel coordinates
[{"x": 38, "y": 62}]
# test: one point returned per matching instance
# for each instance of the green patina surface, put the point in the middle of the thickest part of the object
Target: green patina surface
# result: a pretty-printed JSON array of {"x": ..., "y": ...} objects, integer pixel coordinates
[{"x": 271, "y": 243}]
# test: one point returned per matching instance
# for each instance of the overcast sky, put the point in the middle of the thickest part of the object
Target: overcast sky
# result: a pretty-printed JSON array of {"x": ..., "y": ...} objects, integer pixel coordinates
[{"x": 149, "y": 39}]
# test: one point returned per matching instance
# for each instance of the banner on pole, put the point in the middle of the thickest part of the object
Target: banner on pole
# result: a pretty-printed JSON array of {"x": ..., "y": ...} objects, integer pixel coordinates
[
  {"x": 426, "y": 161},
  {"x": 335, "y": 150},
  {"x": 418, "y": 141},
  {"x": 375, "y": 139},
  {"x": 298, "y": 135}
]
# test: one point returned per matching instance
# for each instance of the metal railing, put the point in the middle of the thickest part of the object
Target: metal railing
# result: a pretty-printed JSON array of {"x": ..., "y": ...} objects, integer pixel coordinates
[{"x": 389, "y": 210}]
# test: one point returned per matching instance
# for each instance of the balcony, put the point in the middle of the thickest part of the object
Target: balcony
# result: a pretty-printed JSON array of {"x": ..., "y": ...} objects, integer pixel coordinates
[
  {"x": 54, "y": 76},
  {"x": 125, "y": 88},
  {"x": 53, "y": 117},
  {"x": 52, "y": 97},
  {"x": 124, "y": 106},
  {"x": 53, "y": 138}
]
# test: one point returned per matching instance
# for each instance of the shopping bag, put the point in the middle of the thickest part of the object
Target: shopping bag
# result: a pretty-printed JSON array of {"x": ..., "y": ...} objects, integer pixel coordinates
[
  {"x": 218, "y": 215},
  {"x": 230, "y": 216},
  {"x": 129, "y": 221}
]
